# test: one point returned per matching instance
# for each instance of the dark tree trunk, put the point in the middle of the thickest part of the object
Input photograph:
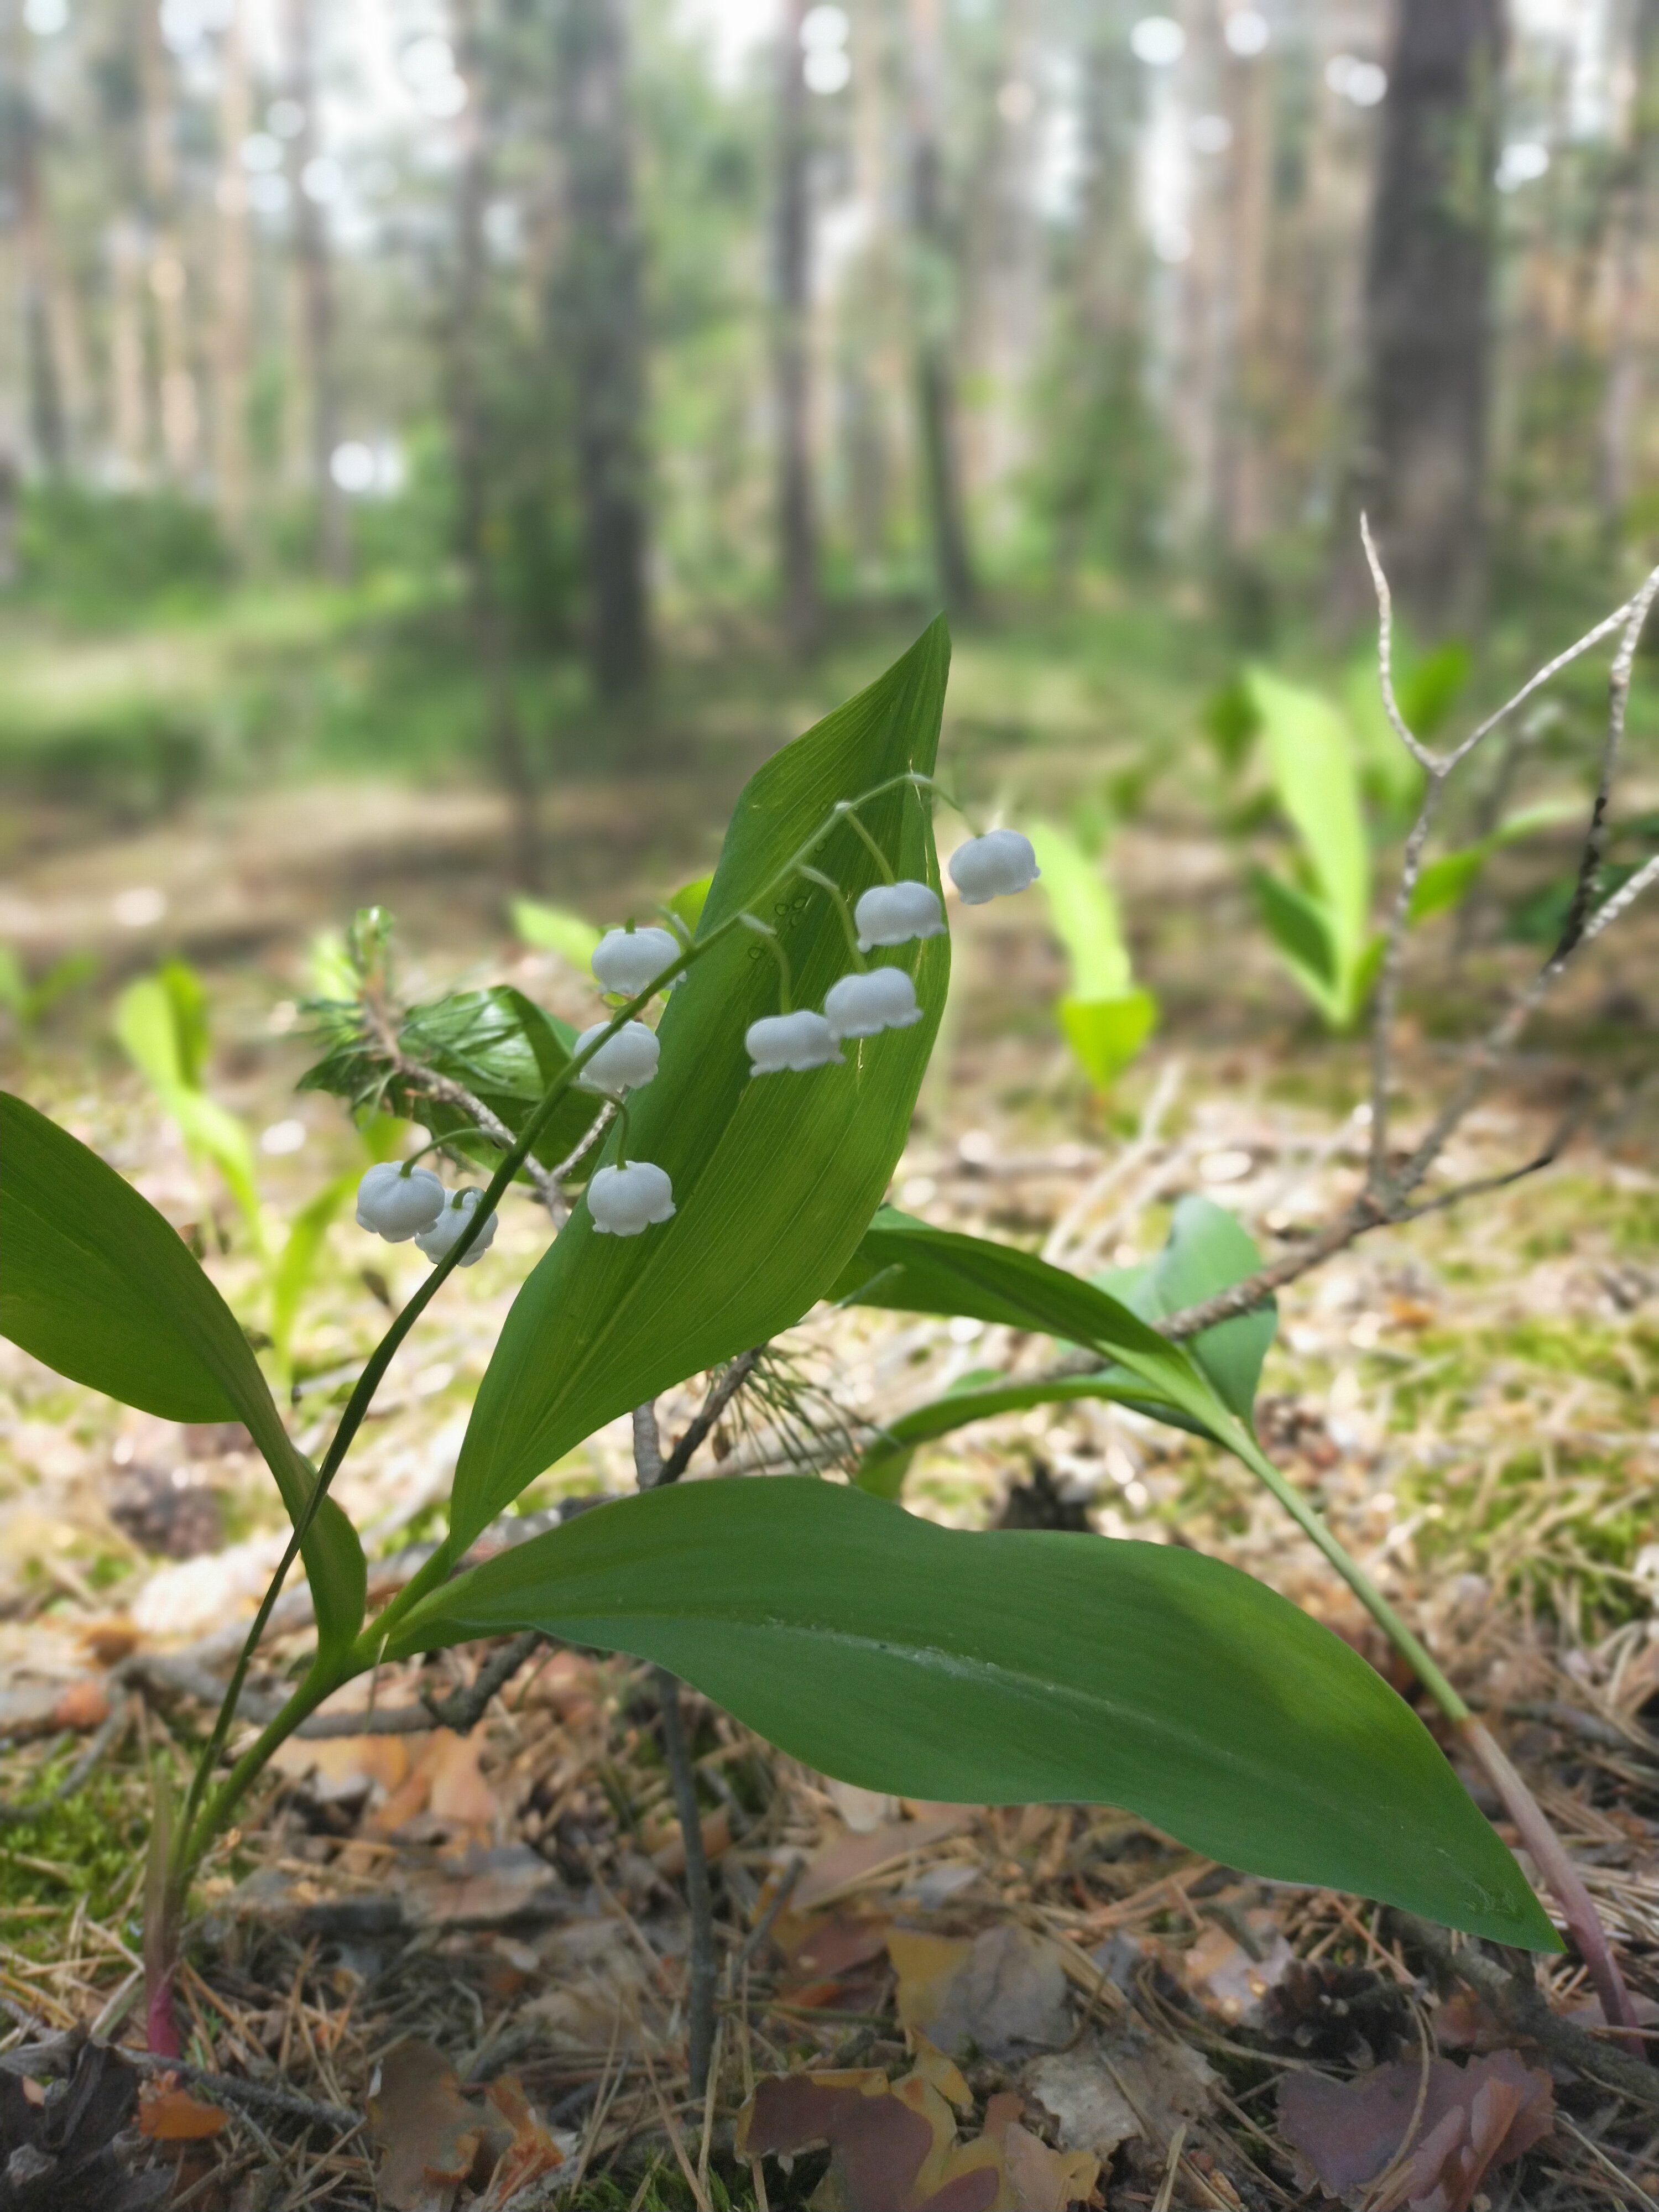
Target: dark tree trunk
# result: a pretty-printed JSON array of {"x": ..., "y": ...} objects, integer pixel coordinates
[
  {"x": 936, "y": 402},
  {"x": 316, "y": 302},
  {"x": 1428, "y": 309},
  {"x": 599, "y": 327},
  {"x": 798, "y": 526},
  {"x": 468, "y": 438}
]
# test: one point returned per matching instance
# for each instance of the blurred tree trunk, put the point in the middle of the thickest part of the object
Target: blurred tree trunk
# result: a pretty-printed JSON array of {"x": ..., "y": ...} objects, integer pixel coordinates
[
  {"x": 468, "y": 438},
  {"x": 1631, "y": 222},
  {"x": 1242, "y": 473},
  {"x": 934, "y": 288},
  {"x": 1422, "y": 475},
  {"x": 47, "y": 427},
  {"x": 130, "y": 411},
  {"x": 599, "y": 326},
  {"x": 797, "y": 523},
  {"x": 179, "y": 412},
  {"x": 316, "y": 302},
  {"x": 234, "y": 340},
  {"x": 1004, "y": 276}
]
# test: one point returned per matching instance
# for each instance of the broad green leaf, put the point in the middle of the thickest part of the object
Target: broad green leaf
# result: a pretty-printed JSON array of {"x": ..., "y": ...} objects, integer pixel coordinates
[
  {"x": 905, "y": 1264},
  {"x": 1014, "y": 1668},
  {"x": 296, "y": 1263},
  {"x": 1300, "y": 928},
  {"x": 1432, "y": 686},
  {"x": 97, "y": 1285},
  {"x": 1311, "y": 757},
  {"x": 556, "y": 929},
  {"x": 773, "y": 1178},
  {"x": 1207, "y": 1251},
  {"x": 1084, "y": 915},
  {"x": 1106, "y": 1034}
]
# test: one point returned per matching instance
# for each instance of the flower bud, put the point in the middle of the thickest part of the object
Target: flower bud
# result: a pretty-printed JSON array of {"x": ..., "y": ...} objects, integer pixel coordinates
[
  {"x": 993, "y": 866},
  {"x": 624, "y": 1200},
  {"x": 859, "y": 1006},
  {"x": 395, "y": 1204},
  {"x": 892, "y": 914},
  {"x": 450, "y": 1226},
  {"x": 626, "y": 960},
  {"x": 789, "y": 1040},
  {"x": 624, "y": 1062}
]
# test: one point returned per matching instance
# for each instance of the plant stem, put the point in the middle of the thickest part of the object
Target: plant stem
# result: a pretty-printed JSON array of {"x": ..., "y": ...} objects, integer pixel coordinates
[{"x": 700, "y": 1999}]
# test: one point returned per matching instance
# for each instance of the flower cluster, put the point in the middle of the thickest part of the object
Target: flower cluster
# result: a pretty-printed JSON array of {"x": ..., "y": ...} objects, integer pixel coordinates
[
  {"x": 628, "y": 1197},
  {"x": 875, "y": 999},
  {"x": 399, "y": 1203}
]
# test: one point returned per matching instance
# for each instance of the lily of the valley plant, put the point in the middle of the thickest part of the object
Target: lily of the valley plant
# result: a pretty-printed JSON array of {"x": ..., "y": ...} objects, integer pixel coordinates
[{"x": 733, "y": 1158}]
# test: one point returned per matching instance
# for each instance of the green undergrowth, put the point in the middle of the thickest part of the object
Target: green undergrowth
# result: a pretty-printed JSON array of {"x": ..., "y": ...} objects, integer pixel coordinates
[{"x": 91, "y": 1846}]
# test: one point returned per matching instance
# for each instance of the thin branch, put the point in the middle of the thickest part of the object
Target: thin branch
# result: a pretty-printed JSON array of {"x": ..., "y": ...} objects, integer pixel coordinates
[
  {"x": 110, "y": 1731},
  {"x": 260, "y": 2096},
  {"x": 648, "y": 1446},
  {"x": 461, "y": 1711},
  {"x": 721, "y": 1392},
  {"x": 1595, "y": 837},
  {"x": 1419, "y": 751}
]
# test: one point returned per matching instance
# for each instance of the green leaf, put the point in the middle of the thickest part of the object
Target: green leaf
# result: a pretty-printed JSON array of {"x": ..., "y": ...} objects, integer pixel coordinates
[
  {"x": 499, "y": 1044},
  {"x": 1311, "y": 757},
  {"x": 689, "y": 902},
  {"x": 1446, "y": 881},
  {"x": 296, "y": 1263},
  {"x": 773, "y": 1178},
  {"x": 97, "y": 1285},
  {"x": 161, "y": 1020},
  {"x": 1207, "y": 1251},
  {"x": 1432, "y": 686},
  {"x": 1106, "y": 1034},
  {"x": 905, "y": 1264},
  {"x": 1015, "y": 1668},
  {"x": 556, "y": 929},
  {"x": 1084, "y": 915},
  {"x": 1300, "y": 928}
]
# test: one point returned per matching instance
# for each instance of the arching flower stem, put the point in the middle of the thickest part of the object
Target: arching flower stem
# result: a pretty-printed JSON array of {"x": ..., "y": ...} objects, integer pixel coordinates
[
  {"x": 769, "y": 937},
  {"x": 847, "y": 810},
  {"x": 838, "y": 898}
]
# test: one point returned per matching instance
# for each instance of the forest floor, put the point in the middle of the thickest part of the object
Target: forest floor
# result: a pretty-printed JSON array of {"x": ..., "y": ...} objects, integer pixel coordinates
[{"x": 471, "y": 1948}]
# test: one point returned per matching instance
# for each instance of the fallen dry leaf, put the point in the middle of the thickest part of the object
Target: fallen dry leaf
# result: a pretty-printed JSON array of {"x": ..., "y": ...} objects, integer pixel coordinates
[
  {"x": 894, "y": 2148},
  {"x": 431, "y": 2136},
  {"x": 1346, "y": 2134},
  {"x": 532, "y": 2152},
  {"x": 168, "y": 2113},
  {"x": 445, "y": 1782},
  {"x": 835, "y": 1961},
  {"x": 846, "y": 1861},
  {"x": 1127, "y": 2087},
  {"x": 346, "y": 1766},
  {"x": 1002, "y": 1993},
  {"x": 1219, "y": 1969}
]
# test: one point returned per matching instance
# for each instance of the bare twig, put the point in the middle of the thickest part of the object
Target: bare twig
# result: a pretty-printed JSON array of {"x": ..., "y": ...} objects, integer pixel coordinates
[
  {"x": 721, "y": 1392},
  {"x": 110, "y": 1731},
  {"x": 1595, "y": 838},
  {"x": 260, "y": 2096},
  {"x": 1521, "y": 2008},
  {"x": 461, "y": 1711},
  {"x": 648, "y": 1446}
]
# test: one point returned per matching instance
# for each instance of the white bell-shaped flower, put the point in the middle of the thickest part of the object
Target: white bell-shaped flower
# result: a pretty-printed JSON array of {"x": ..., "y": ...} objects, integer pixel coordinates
[
  {"x": 993, "y": 866},
  {"x": 892, "y": 914},
  {"x": 625, "y": 960},
  {"x": 789, "y": 1040},
  {"x": 624, "y": 1062},
  {"x": 450, "y": 1225},
  {"x": 623, "y": 1200},
  {"x": 859, "y": 1006},
  {"x": 397, "y": 1206}
]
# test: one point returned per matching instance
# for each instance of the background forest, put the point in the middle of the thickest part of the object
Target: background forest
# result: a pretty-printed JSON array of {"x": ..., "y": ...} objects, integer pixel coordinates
[{"x": 446, "y": 447}]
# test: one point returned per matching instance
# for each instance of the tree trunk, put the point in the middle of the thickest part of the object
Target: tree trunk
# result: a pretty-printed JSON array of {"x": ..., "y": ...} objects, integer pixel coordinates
[
  {"x": 599, "y": 324},
  {"x": 1634, "y": 185},
  {"x": 234, "y": 342},
  {"x": 46, "y": 425},
  {"x": 504, "y": 735},
  {"x": 934, "y": 286},
  {"x": 1427, "y": 305},
  {"x": 798, "y": 526},
  {"x": 316, "y": 286},
  {"x": 130, "y": 414},
  {"x": 178, "y": 411}
]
